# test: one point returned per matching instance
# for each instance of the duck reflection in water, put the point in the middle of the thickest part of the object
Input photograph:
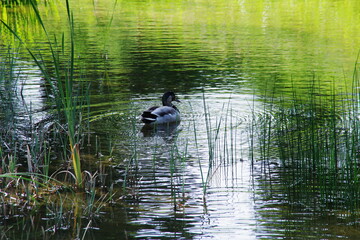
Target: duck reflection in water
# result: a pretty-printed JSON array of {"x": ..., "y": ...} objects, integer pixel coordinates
[
  {"x": 161, "y": 120},
  {"x": 165, "y": 130}
]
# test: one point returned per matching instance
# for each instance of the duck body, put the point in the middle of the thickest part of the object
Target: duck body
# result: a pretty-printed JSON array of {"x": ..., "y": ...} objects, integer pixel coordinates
[{"x": 168, "y": 113}]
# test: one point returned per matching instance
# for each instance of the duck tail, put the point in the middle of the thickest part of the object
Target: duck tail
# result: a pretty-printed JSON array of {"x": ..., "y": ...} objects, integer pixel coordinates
[{"x": 148, "y": 117}]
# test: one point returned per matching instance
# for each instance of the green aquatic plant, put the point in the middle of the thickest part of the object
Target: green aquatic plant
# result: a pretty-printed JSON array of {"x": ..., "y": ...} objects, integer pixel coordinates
[
  {"x": 311, "y": 146},
  {"x": 61, "y": 80},
  {"x": 221, "y": 135},
  {"x": 37, "y": 194}
]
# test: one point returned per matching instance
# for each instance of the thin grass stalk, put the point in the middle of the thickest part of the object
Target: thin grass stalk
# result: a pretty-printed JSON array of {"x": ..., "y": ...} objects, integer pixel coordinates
[
  {"x": 70, "y": 105},
  {"x": 183, "y": 164},
  {"x": 46, "y": 164},
  {"x": 210, "y": 145},
  {"x": 252, "y": 133},
  {"x": 203, "y": 182},
  {"x": 208, "y": 129},
  {"x": 172, "y": 173},
  {"x": 134, "y": 156},
  {"x": 126, "y": 173}
]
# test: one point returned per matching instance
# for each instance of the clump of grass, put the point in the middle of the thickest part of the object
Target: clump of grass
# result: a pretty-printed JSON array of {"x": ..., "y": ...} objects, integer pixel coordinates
[
  {"x": 221, "y": 134},
  {"x": 37, "y": 189},
  {"x": 38, "y": 195},
  {"x": 61, "y": 80},
  {"x": 315, "y": 145}
]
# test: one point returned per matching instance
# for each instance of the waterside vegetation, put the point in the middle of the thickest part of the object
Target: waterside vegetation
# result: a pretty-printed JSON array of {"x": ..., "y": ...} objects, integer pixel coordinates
[
  {"x": 311, "y": 147},
  {"x": 67, "y": 192}
]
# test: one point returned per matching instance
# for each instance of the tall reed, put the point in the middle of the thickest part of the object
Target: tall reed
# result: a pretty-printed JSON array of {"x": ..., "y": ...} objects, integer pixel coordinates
[{"x": 61, "y": 80}]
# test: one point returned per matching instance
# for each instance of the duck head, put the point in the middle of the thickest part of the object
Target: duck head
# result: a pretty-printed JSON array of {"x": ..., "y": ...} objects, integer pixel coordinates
[{"x": 169, "y": 97}]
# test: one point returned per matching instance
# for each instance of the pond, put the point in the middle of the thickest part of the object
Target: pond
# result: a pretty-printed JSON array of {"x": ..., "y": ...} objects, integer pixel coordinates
[{"x": 267, "y": 146}]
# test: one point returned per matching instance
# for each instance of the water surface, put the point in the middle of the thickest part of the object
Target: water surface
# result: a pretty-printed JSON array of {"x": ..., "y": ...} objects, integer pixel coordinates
[{"x": 231, "y": 54}]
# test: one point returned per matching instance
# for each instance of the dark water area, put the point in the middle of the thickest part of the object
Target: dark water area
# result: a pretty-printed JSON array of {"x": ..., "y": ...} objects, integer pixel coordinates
[{"x": 253, "y": 77}]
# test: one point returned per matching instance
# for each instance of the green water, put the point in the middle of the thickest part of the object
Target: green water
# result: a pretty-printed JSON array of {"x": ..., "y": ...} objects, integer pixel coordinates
[{"x": 237, "y": 52}]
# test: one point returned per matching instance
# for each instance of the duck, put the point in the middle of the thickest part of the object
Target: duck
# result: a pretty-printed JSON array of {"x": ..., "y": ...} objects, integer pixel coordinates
[{"x": 168, "y": 113}]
